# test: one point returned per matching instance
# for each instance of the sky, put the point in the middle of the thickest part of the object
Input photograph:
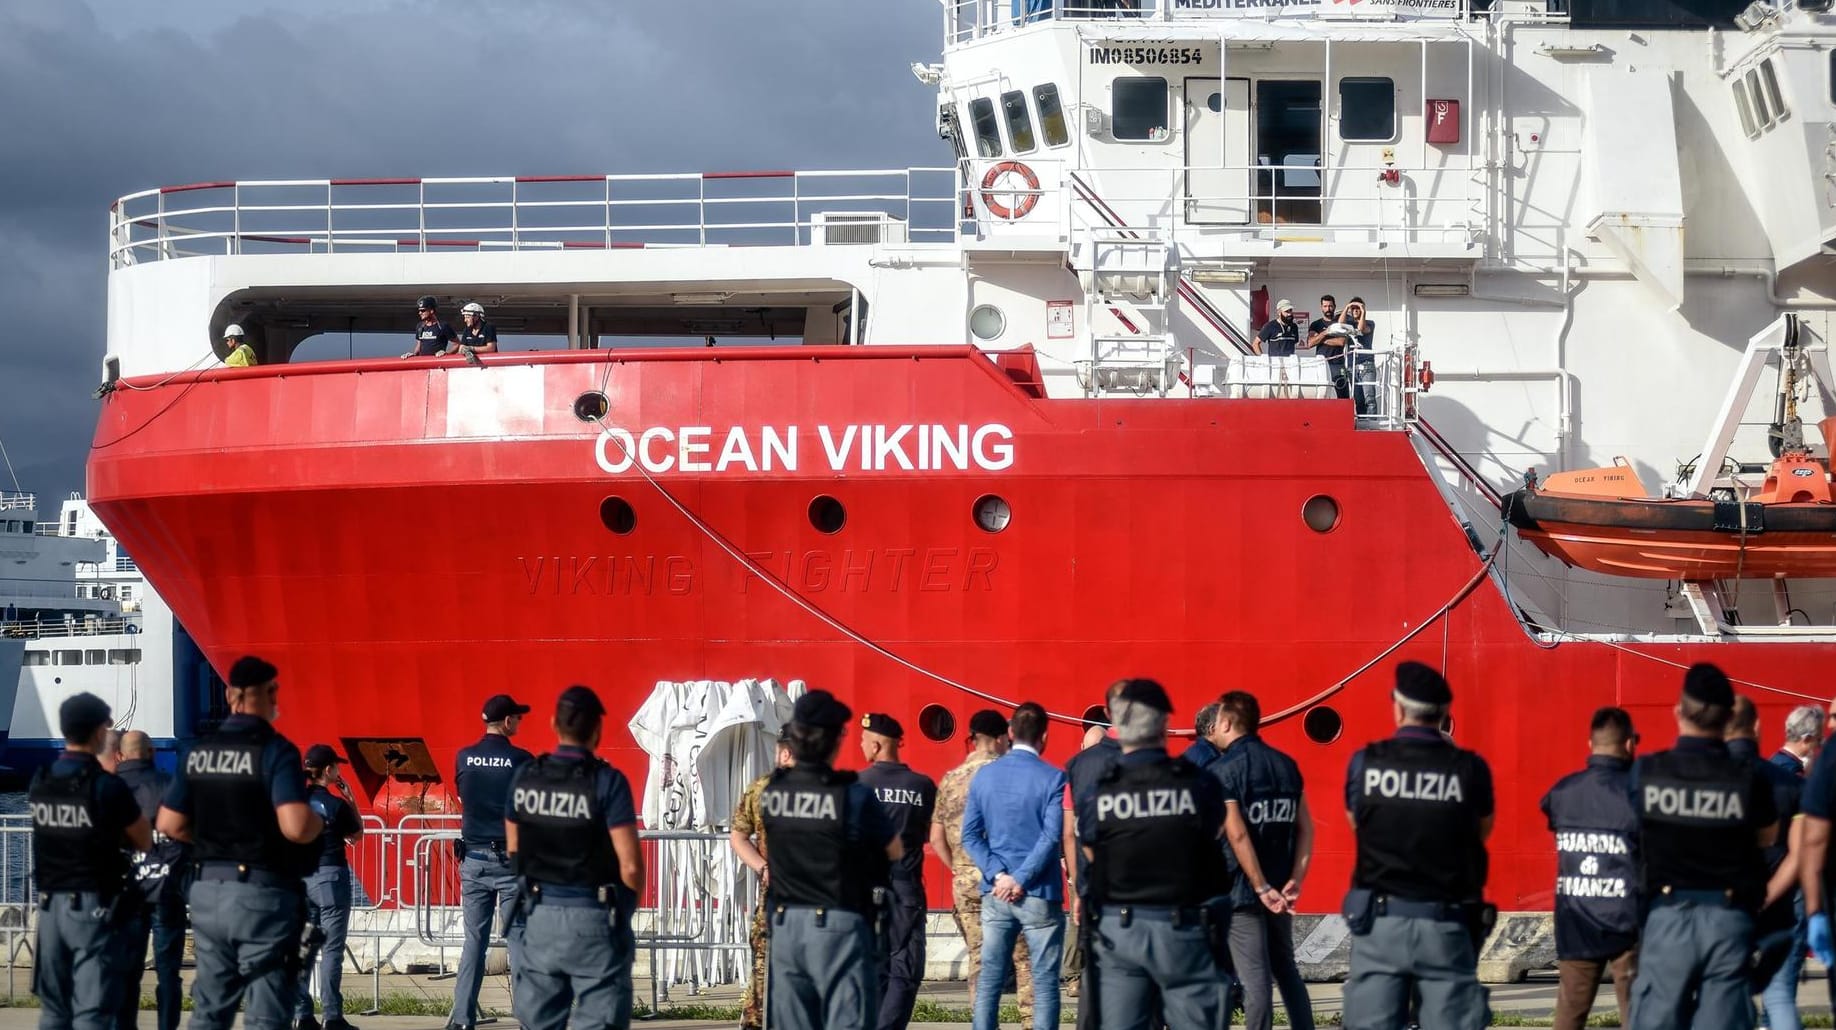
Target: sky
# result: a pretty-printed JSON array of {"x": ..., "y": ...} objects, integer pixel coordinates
[{"x": 107, "y": 97}]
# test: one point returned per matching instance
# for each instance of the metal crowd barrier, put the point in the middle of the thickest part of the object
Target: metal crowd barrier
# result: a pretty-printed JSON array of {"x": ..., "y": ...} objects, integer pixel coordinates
[{"x": 692, "y": 924}]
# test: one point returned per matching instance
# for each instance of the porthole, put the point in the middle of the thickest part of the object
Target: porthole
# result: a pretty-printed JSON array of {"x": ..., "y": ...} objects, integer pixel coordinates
[
  {"x": 987, "y": 322},
  {"x": 618, "y": 515},
  {"x": 827, "y": 514},
  {"x": 591, "y": 406},
  {"x": 1096, "y": 715},
  {"x": 1321, "y": 513},
  {"x": 992, "y": 513},
  {"x": 1322, "y": 724},
  {"x": 936, "y": 722}
]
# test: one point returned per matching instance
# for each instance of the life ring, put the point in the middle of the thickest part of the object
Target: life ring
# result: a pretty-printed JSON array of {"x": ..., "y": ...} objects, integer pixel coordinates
[{"x": 1027, "y": 201}]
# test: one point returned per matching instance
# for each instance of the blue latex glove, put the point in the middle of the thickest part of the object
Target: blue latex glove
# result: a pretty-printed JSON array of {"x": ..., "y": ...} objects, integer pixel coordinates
[{"x": 1820, "y": 938}]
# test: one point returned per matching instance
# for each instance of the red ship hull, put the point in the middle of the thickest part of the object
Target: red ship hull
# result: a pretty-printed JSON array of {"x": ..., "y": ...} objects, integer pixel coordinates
[{"x": 402, "y": 548}]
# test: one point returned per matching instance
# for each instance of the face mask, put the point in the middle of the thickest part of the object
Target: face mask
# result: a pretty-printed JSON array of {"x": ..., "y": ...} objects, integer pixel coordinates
[{"x": 274, "y": 716}]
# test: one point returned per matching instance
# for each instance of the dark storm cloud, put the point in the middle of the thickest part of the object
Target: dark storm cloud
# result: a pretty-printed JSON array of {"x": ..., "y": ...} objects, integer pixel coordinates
[{"x": 106, "y": 97}]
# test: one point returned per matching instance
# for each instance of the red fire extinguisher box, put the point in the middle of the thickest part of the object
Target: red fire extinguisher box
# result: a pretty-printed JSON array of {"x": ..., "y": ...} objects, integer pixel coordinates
[{"x": 1443, "y": 121}]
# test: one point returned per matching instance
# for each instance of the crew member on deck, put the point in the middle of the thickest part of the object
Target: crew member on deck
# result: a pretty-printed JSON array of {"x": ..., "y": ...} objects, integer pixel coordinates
[
  {"x": 908, "y": 799},
  {"x": 1703, "y": 818},
  {"x": 82, "y": 816},
  {"x": 830, "y": 849},
  {"x": 1421, "y": 809},
  {"x": 240, "y": 800},
  {"x": 240, "y": 355},
  {"x": 431, "y": 336},
  {"x": 328, "y": 888},
  {"x": 1596, "y": 899},
  {"x": 1157, "y": 878},
  {"x": 163, "y": 875},
  {"x": 572, "y": 832},
  {"x": 476, "y": 336},
  {"x": 1279, "y": 338},
  {"x": 487, "y": 885}
]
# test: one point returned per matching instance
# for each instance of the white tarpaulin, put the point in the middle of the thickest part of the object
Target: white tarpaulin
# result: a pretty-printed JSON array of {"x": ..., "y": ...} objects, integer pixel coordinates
[{"x": 707, "y": 739}]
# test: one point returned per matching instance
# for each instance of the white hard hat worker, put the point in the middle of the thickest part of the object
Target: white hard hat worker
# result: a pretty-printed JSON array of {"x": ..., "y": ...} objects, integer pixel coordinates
[
  {"x": 240, "y": 355},
  {"x": 474, "y": 308},
  {"x": 233, "y": 332}
]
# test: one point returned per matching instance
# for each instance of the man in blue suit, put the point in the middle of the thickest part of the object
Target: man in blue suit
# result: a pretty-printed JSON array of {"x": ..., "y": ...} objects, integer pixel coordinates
[{"x": 1012, "y": 827}]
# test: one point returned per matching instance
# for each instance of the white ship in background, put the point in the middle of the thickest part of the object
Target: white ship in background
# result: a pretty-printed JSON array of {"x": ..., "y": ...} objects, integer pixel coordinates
[{"x": 82, "y": 618}]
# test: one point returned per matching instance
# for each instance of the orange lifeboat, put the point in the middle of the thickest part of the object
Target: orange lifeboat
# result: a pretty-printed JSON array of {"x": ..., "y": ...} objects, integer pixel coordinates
[{"x": 1601, "y": 519}]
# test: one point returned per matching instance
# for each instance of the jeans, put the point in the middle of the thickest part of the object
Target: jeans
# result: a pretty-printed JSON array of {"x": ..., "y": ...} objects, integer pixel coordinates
[
  {"x": 164, "y": 921},
  {"x": 1779, "y": 1002},
  {"x": 328, "y": 906},
  {"x": 1364, "y": 386},
  {"x": 1042, "y": 923}
]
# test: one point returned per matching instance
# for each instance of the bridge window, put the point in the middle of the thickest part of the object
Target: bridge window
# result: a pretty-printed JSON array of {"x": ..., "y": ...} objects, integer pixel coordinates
[
  {"x": 124, "y": 656},
  {"x": 1139, "y": 110},
  {"x": 987, "y": 131},
  {"x": 1052, "y": 114},
  {"x": 1744, "y": 104},
  {"x": 1019, "y": 121},
  {"x": 1367, "y": 110},
  {"x": 38, "y": 658},
  {"x": 1764, "y": 106},
  {"x": 69, "y": 658},
  {"x": 1769, "y": 86}
]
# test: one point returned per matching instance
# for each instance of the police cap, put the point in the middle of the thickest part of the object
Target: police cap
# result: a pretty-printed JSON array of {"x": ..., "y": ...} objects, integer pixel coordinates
[
  {"x": 883, "y": 724},
  {"x": 581, "y": 699},
  {"x": 503, "y": 706},
  {"x": 988, "y": 723},
  {"x": 250, "y": 671},
  {"x": 1707, "y": 684},
  {"x": 1422, "y": 684},
  {"x": 820, "y": 709},
  {"x": 1146, "y": 692},
  {"x": 319, "y": 756},
  {"x": 81, "y": 715}
]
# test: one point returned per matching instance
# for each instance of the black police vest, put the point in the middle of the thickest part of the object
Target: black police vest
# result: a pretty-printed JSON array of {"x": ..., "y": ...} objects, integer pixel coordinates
[
  {"x": 152, "y": 869},
  {"x": 1271, "y": 810},
  {"x": 232, "y": 811},
  {"x": 1152, "y": 845},
  {"x": 1698, "y": 834},
  {"x": 1418, "y": 822},
  {"x": 1596, "y": 841},
  {"x": 560, "y": 828},
  {"x": 817, "y": 855},
  {"x": 70, "y": 849}
]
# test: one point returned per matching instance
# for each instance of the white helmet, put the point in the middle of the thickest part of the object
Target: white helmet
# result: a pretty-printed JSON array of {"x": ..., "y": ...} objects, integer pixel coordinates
[
  {"x": 473, "y": 308},
  {"x": 233, "y": 330}
]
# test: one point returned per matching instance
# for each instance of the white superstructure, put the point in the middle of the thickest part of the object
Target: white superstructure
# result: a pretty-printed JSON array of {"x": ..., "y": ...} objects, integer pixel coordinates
[{"x": 1575, "y": 213}]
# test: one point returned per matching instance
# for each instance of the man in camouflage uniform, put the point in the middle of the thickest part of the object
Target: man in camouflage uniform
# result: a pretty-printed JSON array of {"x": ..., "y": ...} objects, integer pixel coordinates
[
  {"x": 748, "y": 840},
  {"x": 988, "y": 741}
]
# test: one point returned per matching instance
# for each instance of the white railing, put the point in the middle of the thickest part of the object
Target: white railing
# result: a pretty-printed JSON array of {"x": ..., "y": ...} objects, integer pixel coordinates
[
  {"x": 965, "y": 20},
  {"x": 11, "y": 500},
  {"x": 527, "y": 212},
  {"x": 89, "y": 626}
]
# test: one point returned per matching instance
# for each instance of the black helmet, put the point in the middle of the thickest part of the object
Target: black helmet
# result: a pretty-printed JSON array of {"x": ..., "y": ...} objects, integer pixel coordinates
[{"x": 425, "y": 304}]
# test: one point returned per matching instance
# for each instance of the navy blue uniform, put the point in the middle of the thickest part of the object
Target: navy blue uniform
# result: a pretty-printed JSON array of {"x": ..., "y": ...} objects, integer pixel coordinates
[
  {"x": 1596, "y": 904},
  {"x": 1279, "y": 338},
  {"x": 249, "y": 902},
  {"x": 908, "y": 799},
  {"x": 163, "y": 875},
  {"x": 1700, "y": 810},
  {"x": 328, "y": 902},
  {"x": 1202, "y": 753},
  {"x": 1082, "y": 773},
  {"x": 79, "y": 813},
  {"x": 578, "y": 952},
  {"x": 1266, "y": 786},
  {"x": 487, "y": 888},
  {"x": 430, "y": 340}
]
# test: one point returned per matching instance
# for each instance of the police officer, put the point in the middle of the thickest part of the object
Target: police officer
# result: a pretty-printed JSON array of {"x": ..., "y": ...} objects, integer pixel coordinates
[
  {"x": 1775, "y": 926},
  {"x": 1704, "y": 817},
  {"x": 82, "y": 816},
  {"x": 1081, "y": 775},
  {"x": 1269, "y": 831},
  {"x": 431, "y": 335},
  {"x": 830, "y": 849},
  {"x": 162, "y": 875},
  {"x": 1157, "y": 880},
  {"x": 328, "y": 888},
  {"x": 572, "y": 834},
  {"x": 908, "y": 799},
  {"x": 487, "y": 886},
  {"x": 239, "y": 799},
  {"x": 1421, "y": 809},
  {"x": 1596, "y": 900}
]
